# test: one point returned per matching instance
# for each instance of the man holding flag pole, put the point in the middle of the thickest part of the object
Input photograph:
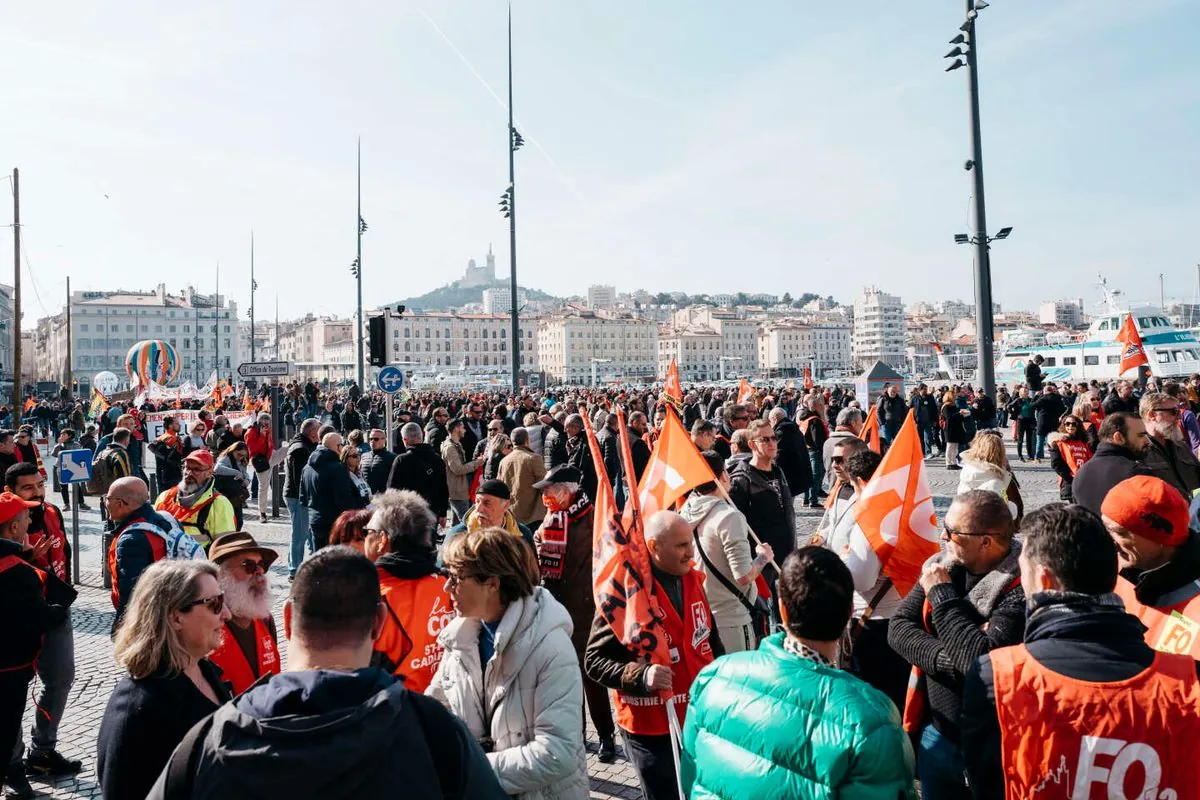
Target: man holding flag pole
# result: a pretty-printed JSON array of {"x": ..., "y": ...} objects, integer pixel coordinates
[{"x": 654, "y": 630}]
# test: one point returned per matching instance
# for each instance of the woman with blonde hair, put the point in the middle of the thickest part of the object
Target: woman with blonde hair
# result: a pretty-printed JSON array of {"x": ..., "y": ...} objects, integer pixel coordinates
[
  {"x": 175, "y": 618},
  {"x": 1089, "y": 422},
  {"x": 985, "y": 466},
  {"x": 509, "y": 670}
]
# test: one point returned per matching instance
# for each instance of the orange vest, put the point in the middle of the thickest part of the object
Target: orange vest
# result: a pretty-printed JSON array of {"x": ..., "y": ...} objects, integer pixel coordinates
[
  {"x": 7, "y": 563},
  {"x": 235, "y": 667},
  {"x": 56, "y": 556},
  {"x": 1134, "y": 738},
  {"x": 188, "y": 518},
  {"x": 1171, "y": 629},
  {"x": 1075, "y": 453},
  {"x": 688, "y": 642},
  {"x": 804, "y": 424},
  {"x": 418, "y": 610},
  {"x": 158, "y": 551}
]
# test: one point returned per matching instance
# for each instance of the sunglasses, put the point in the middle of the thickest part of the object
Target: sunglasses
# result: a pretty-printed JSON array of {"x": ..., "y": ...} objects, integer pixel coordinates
[
  {"x": 766, "y": 439},
  {"x": 215, "y": 604},
  {"x": 838, "y": 460},
  {"x": 949, "y": 532},
  {"x": 253, "y": 566},
  {"x": 1172, "y": 411}
]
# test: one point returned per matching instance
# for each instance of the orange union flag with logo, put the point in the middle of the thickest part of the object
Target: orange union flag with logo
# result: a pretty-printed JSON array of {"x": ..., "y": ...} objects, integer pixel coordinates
[
  {"x": 745, "y": 391},
  {"x": 621, "y": 577},
  {"x": 1133, "y": 354},
  {"x": 870, "y": 430},
  {"x": 675, "y": 468},
  {"x": 671, "y": 386},
  {"x": 895, "y": 512}
]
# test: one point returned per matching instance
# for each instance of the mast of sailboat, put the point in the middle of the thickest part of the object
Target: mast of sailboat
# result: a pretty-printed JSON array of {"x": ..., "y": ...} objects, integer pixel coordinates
[{"x": 1162, "y": 296}]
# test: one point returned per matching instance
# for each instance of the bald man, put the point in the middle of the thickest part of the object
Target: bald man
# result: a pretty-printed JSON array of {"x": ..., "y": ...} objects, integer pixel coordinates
[
  {"x": 327, "y": 489},
  {"x": 139, "y": 537},
  {"x": 692, "y": 640}
]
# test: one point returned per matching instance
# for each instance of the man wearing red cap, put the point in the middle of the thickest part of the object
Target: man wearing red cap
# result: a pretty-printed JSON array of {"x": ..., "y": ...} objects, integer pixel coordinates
[
  {"x": 32, "y": 602},
  {"x": 1160, "y": 561},
  {"x": 195, "y": 503}
]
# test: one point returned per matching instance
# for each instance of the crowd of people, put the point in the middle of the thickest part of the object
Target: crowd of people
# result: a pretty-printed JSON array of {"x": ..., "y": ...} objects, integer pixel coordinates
[{"x": 441, "y": 599}]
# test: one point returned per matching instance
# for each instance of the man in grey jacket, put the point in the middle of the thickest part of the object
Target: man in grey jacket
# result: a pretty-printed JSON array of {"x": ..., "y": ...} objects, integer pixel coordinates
[{"x": 458, "y": 470}]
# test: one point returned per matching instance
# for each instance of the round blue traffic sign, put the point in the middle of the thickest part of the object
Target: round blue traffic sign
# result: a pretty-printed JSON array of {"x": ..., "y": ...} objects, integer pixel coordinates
[{"x": 390, "y": 379}]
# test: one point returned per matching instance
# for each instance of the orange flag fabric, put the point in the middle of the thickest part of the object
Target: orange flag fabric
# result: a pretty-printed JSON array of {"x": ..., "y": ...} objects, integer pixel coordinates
[
  {"x": 895, "y": 512},
  {"x": 870, "y": 431},
  {"x": 671, "y": 386},
  {"x": 621, "y": 577},
  {"x": 1133, "y": 354},
  {"x": 676, "y": 467},
  {"x": 29, "y": 403},
  {"x": 808, "y": 381},
  {"x": 745, "y": 391}
]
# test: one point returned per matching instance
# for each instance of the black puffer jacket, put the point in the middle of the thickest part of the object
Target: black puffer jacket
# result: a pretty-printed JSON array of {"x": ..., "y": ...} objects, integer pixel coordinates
[
  {"x": 793, "y": 457},
  {"x": 327, "y": 489},
  {"x": 299, "y": 449},
  {"x": 1109, "y": 466},
  {"x": 376, "y": 466},
  {"x": 422, "y": 470},
  {"x": 766, "y": 501}
]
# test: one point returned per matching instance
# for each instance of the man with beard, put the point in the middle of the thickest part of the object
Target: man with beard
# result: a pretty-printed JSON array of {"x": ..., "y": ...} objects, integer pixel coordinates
[
  {"x": 400, "y": 541},
  {"x": 200, "y": 509},
  {"x": 249, "y": 649},
  {"x": 56, "y": 663},
  {"x": 1120, "y": 455},
  {"x": 1168, "y": 456}
]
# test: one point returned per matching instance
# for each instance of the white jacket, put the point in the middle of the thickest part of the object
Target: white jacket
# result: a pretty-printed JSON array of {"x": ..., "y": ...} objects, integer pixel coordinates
[
  {"x": 534, "y": 687},
  {"x": 725, "y": 538},
  {"x": 978, "y": 474}
]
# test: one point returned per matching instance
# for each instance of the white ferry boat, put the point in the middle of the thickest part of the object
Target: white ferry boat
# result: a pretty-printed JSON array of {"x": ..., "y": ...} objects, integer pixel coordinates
[{"x": 1096, "y": 355}]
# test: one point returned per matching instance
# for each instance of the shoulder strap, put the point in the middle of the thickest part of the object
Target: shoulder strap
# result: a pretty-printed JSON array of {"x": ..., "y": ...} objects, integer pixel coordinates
[
  {"x": 716, "y": 573},
  {"x": 180, "y": 774}
]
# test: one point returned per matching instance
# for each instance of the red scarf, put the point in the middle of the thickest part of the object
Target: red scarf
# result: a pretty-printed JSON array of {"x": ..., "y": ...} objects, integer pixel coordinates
[{"x": 553, "y": 548}]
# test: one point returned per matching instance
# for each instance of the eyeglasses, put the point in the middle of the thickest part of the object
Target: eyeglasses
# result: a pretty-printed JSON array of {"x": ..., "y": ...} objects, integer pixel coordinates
[
  {"x": 453, "y": 580},
  {"x": 740, "y": 419},
  {"x": 1173, "y": 410},
  {"x": 215, "y": 604},
  {"x": 947, "y": 532},
  {"x": 253, "y": 566}
]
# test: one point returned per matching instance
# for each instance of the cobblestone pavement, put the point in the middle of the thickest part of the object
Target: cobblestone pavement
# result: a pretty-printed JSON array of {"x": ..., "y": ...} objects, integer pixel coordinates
[{"x": 96, "y": 674}]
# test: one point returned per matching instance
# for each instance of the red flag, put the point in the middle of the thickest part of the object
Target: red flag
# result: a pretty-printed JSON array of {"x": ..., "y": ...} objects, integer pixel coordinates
[
  {"x": 870, "y": 431},
  {"x": 808, "y": 381},
  {"x": 676, "y": 467},
  {"x": 745, "y": 391},
  {"x": 621, "y": 577},
  {"x": 671, "y": 387},
  {"x": 895, "y": 512},
  {"x": 1133, "y": 354}
]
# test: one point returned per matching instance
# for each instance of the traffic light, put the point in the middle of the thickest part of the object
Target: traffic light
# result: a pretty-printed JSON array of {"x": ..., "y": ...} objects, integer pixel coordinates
[{"x": 377, "y": 342}]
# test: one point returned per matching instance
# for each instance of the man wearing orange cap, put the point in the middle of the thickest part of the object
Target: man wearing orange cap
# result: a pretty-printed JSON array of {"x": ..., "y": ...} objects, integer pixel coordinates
[
  {"x": 195, "y": 503},
  {"x": 32, "y": 602},
  {"x": 1160, "y": 561}
]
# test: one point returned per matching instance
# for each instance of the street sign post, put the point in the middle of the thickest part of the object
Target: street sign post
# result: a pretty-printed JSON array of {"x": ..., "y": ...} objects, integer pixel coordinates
[
  {"x": 75, "y": 466},
  {"x": 390, "y": 380},
  {"x": 264, "y": 369}
]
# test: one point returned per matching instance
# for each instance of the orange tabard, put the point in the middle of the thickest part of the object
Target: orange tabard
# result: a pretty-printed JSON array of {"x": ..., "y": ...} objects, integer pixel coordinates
[
  {"x": 1074, "y": 453},
  {"x": 158, "y": 551},
  {"x": 418, "y": 610},
  {"x": 7, "y": 563},
  {"x": 235, "y": 667},
  {"x": 1171, "y": 629}
]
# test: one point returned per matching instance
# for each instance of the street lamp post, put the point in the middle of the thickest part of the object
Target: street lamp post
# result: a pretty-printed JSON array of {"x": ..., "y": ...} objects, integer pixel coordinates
[
  {"x": 361, "y": 228},
  {"x": 985, "y": 373},
  {"x": 508, "y": 207},
  {"x": 727, "y": 358}
]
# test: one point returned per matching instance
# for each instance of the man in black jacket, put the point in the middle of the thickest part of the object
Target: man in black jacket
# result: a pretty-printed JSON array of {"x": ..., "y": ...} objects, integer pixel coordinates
[
  {"x": 609, "y": 440},
  {"x": 332, "y": 725},
  {"x": 1120, "y": 455},
  {"x": 1169, "y": 457},
  {"x": 475, "y": 428},
  {"x": 579, "y": 453},
  {"x": 327, "y": 489},
  {"x": 1033, "y": 373},
  {"x": 421, "y": 469},
  {"x": 554, "y": 441},
  {"x": 892, "y": 411},
  {"x": 969, "y": 601},
  {"x": 811, "y": 421},
  {"x": 376, "y": 464},
  {"x": 792, "y": 457},
  {"x": 299, "y": 449},
  {"x": 435, "y": 429},
  {"x": 760, "y": 491},
  {"x": 1120, "y": 399},
  {"x": 1077, "y": 628}
]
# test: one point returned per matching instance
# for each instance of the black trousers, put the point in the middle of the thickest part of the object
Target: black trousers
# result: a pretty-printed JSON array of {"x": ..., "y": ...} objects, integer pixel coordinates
[
  {"x": 14, "y": 688},
  {"x": 876, "y": 662},
  {"x": 1026, "y": 434},
  {"x": 651, "y": 757}
]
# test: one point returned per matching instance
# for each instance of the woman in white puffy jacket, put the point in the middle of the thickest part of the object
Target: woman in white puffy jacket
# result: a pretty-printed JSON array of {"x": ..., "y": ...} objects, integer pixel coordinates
[{"x": 509, "y": 670}]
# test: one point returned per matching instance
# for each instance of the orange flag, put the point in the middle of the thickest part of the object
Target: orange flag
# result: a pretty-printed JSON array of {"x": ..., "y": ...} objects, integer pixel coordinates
[
  {"x": 870, "y": 431},
  {"x": 808, "y": 381},
  {"x": 671, "y": 386},
  {"x": 745, "y": 391},
  {"x": 621, "y": 577},
  {"x": 676, "y": 467},
  {"x": 29, "y": 403},
  {"x": 895, "y": 512},
  {"x": 1133, "y": 354}
]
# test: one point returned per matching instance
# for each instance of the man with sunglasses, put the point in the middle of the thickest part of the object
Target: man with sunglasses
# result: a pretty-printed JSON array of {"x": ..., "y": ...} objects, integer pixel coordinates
[
  {"x": 760, "y": 491},
  {"x": 1168, "y": 455},
  {"x": 376, "y": 463},
  {"x": 249, "y": 649},
  {"x": 969, "y": 601}
]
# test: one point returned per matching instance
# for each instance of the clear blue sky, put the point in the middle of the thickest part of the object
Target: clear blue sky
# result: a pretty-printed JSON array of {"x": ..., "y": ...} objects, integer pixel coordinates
[{"x": 700, "y": 146}]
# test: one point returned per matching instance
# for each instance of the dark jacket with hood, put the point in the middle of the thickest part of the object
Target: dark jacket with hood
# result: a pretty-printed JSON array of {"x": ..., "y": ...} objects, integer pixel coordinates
[
  {"x": 1049, "y": 409},
  {"x": 298, "y": 452},
  {"x": 27, "y": 614},
  {"x": 793, "y": 457},
  {"x": 891, "y": 411},
  {"x": 1111, "y": 464},
  {"x": 422, "y": 470},
  {"x": 327, "y": 734},
  {"x": 327, "y": 489},
  {"x": 1174, "y": 463},
  {"x": 766, "y": 502},
  {"x": 1084, "y": 637}
]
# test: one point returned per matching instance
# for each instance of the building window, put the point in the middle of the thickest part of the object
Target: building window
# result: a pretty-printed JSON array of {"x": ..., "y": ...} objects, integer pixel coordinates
[
  {"x": 83, "y": 328},
  {"x": 1088, "y": 361},
  {"x": 158, "y": 328},
  {"x": 186, "y": 329},
  {"x": 1069, "y": 361}
]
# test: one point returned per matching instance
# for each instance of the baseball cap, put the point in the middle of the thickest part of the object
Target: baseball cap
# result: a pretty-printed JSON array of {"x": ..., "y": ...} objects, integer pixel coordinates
[
  {"x": 494, "y": 488},
  {"x": 11, "y": 505},
  {"x": 201, "y": 457},
  {"x": 1148, "y": 507},
  {"x": 563, "y": 473}
]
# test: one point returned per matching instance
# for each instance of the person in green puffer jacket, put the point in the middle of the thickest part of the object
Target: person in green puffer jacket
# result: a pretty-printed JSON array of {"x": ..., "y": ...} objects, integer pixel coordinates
[{"x": 783, "y": 721}]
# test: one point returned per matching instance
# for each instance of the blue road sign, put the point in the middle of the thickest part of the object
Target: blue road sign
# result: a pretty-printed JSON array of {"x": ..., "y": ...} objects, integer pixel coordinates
[
  {"x": 75, "y": 466},
  {"x": 390, "y": 379}
]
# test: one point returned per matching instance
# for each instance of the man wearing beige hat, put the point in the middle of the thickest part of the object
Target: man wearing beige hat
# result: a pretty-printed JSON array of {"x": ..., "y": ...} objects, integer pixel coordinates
[{"x": 249, "y": 649}]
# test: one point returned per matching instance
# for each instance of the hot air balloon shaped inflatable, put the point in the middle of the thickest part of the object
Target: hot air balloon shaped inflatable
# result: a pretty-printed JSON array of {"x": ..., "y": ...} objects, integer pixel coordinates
[{"x": 152, "y": 360}]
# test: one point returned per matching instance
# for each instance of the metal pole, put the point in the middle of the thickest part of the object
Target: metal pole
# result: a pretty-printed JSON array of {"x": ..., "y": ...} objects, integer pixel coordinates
[
  {"x": 387, "y": 424},
  {"x": 16, "y": 323},
  {"x": 985, "y": 374},
  {"x": 75, "y": 498},
  {"x": 70, "y": 363},
  {"x": 1162, "y": 297},
  {"x": 253, "y": 286},
  {"x": 358, "y": 227},
  {"x": 277, "y": 434},
  {"x": 593, "y": 372},
  {"x": 217, "y": 323},
  {"x": 512, "y": 222}
]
